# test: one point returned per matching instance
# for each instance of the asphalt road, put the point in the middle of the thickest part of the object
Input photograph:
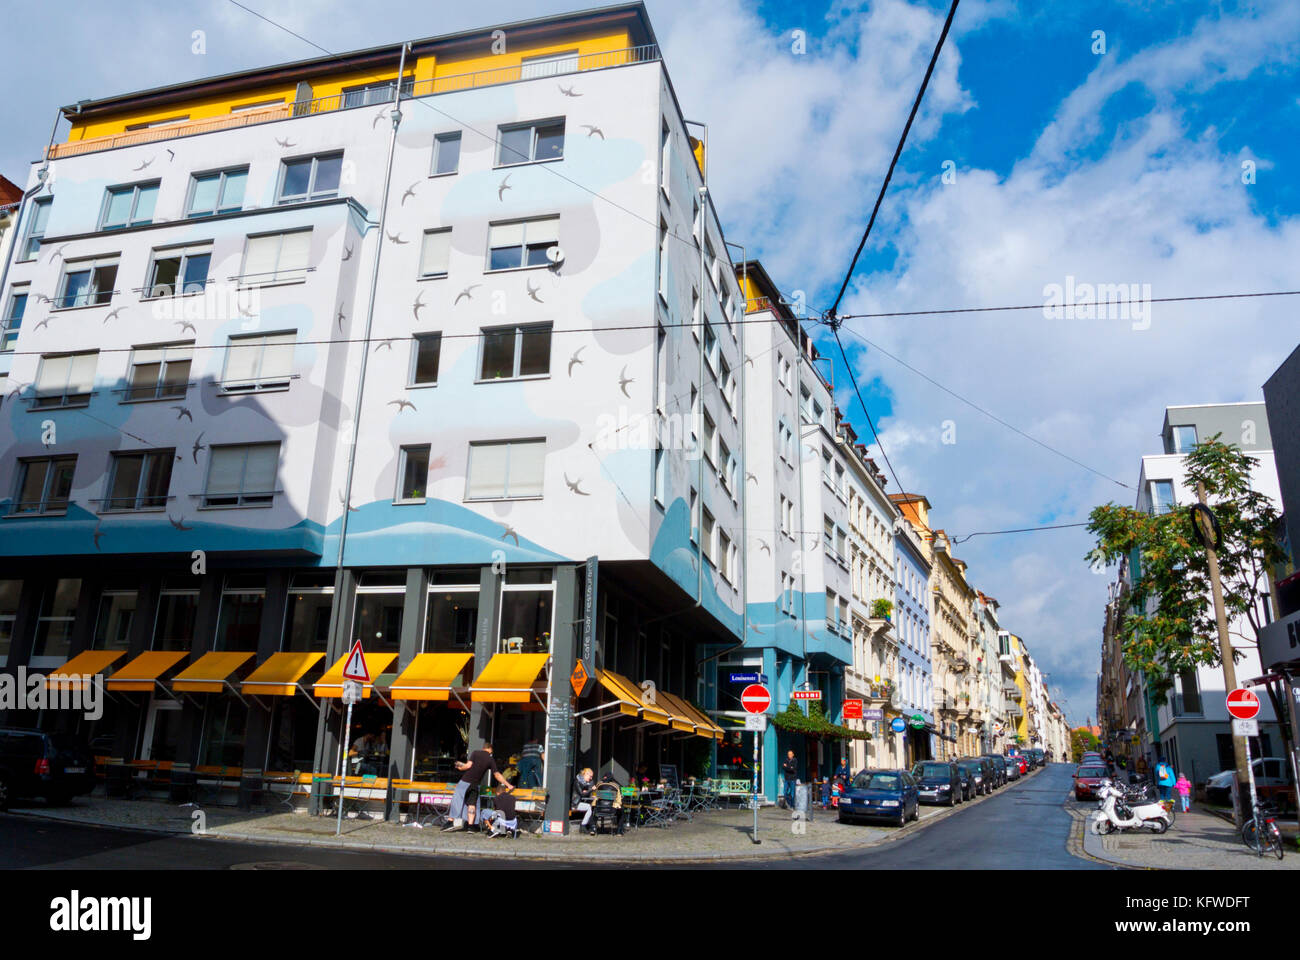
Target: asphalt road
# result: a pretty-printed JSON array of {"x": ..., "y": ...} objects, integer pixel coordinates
[{"x": 1022, "y": 826}]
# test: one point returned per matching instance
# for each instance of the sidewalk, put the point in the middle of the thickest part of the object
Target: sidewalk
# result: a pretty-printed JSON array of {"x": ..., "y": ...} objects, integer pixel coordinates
[
  {"x": 716, "y": 835},
  {"x": 1200, "y": 839}
]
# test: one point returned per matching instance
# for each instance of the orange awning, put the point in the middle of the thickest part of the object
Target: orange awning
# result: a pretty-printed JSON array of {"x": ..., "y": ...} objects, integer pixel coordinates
[
  {"x": 142, "y": 673},
  {"x": 210, "y": 672},
  {"x": 73, "y": 674},
  {"x": 330, "y": 685},
  {"x": 679, "y": 716},
  {"x": 509, "y": 678},
  {"x": 631, "y": 701},
  {"x": 430, "y": 676},
  {"x": 280, "y": 674}
]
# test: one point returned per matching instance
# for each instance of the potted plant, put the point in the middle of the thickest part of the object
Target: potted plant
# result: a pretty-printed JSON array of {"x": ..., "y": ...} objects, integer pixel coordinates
[{"x": 882, "y": 609}]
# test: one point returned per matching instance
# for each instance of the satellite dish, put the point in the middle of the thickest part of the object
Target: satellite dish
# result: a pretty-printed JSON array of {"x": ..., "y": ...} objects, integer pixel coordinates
[{"x": 555, "y": 255}]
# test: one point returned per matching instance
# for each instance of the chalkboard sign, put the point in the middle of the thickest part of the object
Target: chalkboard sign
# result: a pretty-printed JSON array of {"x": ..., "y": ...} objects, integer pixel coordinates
[{"x": 668, "y": 773}]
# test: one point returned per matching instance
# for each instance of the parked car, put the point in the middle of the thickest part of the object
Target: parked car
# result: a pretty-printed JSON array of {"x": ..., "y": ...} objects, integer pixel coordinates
[
  {"x": 1037, "y": 755},
  {"x": 988, "y": 772},
  {"x": 966, "y": 773},
  {"x": 34, "y": 763},
  {"x": 976, "y": 771},
  {"x": 1087, "y": 778},
  {"x": 938, "y": 781},
  {"x": 1013, "y": 767},
  {"x": 999, "y": 769},
  {"x": 1020, "y": 762},
  {"x": 1272, "y": 781},
  {"x": 1092, "y": 756},
  {"x": 881, "y": 795}
]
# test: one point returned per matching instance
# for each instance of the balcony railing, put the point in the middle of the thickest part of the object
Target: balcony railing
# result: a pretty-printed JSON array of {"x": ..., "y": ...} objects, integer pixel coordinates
[
  {"x": 1011, "y": 690},
  {"x": 560, "y": 66}
]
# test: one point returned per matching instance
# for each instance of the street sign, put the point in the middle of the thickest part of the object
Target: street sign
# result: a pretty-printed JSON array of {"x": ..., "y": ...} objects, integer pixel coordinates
[
  {"x": 755, "y": 698},
  {"x": 351, "y": 692},
  {"x": 756, "y": 722},
  {"x": 748, "y": 678},
  {"x": 852, "y": 709},
  {"x": 579, "y": 679},
  {"x": 873, "y": 713},
  {"x": 355, "y": 668},
  {"x": 1243, "y": 704},
  {"x": 1245, "y": 728},
  {"x": 898, "y": 724},
  {"x": 806, "y": 695}
]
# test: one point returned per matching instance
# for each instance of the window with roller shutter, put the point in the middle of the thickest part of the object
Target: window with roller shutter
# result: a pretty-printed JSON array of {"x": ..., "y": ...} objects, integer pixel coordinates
[
  {"x": 65, "y": 380},
  {"x": 242, "y": 475},
  {"x": 276, "y": 258},
  {"x": 259, "y": 362}
]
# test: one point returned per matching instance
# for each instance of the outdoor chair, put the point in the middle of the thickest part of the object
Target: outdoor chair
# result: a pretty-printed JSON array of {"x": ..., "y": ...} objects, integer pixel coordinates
[
  {"x": 603, "y": 810},
  {"x": 252, "y": 788},
  {"x": 120, "y": 780},
  {"x": 659, "y": 813},
  {"x": 181, "y": 789}
]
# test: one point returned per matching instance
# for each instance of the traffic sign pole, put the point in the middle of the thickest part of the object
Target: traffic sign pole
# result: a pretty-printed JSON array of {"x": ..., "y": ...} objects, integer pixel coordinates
[{"x": 343, "y": 772}]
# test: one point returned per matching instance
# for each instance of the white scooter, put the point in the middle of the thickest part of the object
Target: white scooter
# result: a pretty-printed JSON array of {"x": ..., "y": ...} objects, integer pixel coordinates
[{"x": 1114, "y": 812}]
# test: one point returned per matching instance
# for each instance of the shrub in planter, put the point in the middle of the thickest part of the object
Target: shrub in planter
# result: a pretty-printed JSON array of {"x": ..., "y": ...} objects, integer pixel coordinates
[{"x": 882, "y": 609}]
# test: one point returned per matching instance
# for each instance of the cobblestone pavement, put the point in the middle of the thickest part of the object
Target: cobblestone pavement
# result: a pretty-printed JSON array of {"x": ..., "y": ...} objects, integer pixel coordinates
[
  {"x": 1198, "y": 840},
  {"x": 721, "y": 834}
]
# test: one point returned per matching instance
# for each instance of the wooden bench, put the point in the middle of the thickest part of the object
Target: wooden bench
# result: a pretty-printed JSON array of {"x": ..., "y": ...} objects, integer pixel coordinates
[{"x": 217, "y": 782}]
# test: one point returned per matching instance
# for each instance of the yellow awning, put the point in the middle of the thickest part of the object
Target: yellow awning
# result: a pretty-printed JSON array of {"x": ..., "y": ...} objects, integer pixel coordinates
[
  {"x": 678, "y": 715},
  {"x": 331, "y": 684},
  {"x": 508, "y": 678},
  {"x": 72, "y": 675},
  {"x": 430, "y": 676},
  {"x": 208, "y": 674},
  {"x": 704, "y": 726},
  {"x": 141, "y": 673},
  {"x": 630, "y": 700},
  {"x": 279, "y": 676}
]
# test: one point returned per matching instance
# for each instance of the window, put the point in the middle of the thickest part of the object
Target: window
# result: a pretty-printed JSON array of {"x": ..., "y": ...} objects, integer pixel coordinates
[
  {"x": 710, "y": 348},
  {"x": 44, "y": 484},
  {"x": 310, "y": 178},
  {"x": 179, "y": 270},
  {"x": 706, "y": 529},
  {"x": 65, "y": 380},
  {"x": 694, "y": 499},
  {"x": 167, "y": 122},
  {"x": 726, "y": 467},
  {"x": 724, "y": 556},
  {"x": 841, "y": 543},
  {"x": 87, "y": 283},
  {"x": 827, "y": 474},
  {"x": 239, "y": 621},
  {"x": 663, "y": 262},
  {"x": 178, "y": 606},
  {"x": 139, "y": 481},
  {"x": 451, "y": 622},
  {"x": 711, "y": 260},
  {"x": 661, "y": 478},
  {"x": 785, "y": 440},
  {"x": 113, "y": 625},
  {"x": 785, "y": 375},
  {"x": 311, "y": 598},
  {"x": 256, "y": 105},
  {"x": 13, "y": 318},
  {"x": 527, "y": 611},
  {"x": 58, "y": 613},
  {"x": 413, "y": 473},
  {"x": 548, "y": 65},
  {"x": 832, "y": 608},
  {"x": 220, "y": 192},
  {"x": 1162, "y": 496},
  {"x": 665, "y": 157},
  {"x": 530, "y": 142},
  {"x": 661, "y": 369},
  {"x": 840, "y": 486},
  {"x": 10, "y": 591},
  {"x": 367, "y": 95},
  {"x": 696, "y": 222},
  {"x": 1184, "y": 438},
  {"x": 259, "y": 362},
  {"x": 276, "y": 258},
  {"x": 513, "y": 352},
  {"x": 446, "y": 153},
  {"x": 787, "y": 516},
  {"x": 710, "y": 435},
  {"x": 426, "y": 350},
  {"x": 242, "y": 475},
  {"x": 522, "y": 244},
  {"x": 159, "y": 372},
  {"x": 435, "y": 254},
  {"x": 828, "y": 533},
  {"x": 40, "y": 216},
  {"x": 505, "y": 470},
  {"x": 128, "y": 206}
]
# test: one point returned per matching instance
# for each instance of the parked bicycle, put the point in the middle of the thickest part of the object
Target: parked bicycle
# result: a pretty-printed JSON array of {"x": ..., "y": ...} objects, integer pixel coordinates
[{"x": 1261, "y": 832}]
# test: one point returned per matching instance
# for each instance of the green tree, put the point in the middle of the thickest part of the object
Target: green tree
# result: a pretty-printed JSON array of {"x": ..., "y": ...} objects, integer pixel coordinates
[
  {"x": 1170, "y": 625},
  {"x": 1082, "y": 739}
]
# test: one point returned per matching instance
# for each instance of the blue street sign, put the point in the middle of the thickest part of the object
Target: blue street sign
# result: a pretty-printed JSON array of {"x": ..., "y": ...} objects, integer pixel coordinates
[
  {"x": 898, "y": 724},
  {"x": 749, "y": 678}
]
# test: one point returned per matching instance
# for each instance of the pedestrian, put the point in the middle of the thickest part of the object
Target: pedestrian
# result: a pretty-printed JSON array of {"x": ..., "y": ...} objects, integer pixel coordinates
[
  {"x": 1142, "y": 770},
  {"x": 842, "y": 771},
  {"x": 790, "y": 771},
  {"x": 530, "y": 764},
  {"x": 1165, "y": 780},
  {"x": 466, "y": 793},
  {"x": 1184, "y": 788}
]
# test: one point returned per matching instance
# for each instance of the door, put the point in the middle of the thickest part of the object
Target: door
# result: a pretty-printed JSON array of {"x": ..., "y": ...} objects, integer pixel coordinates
[{"x": 161, "y": 730}]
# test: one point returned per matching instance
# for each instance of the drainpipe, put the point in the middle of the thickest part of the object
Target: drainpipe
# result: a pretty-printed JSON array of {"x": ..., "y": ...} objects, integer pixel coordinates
[
  {"x": 370, "y": 310},
  {"x": 41, "y": 175},
  {"x": 704, "y": 320}
]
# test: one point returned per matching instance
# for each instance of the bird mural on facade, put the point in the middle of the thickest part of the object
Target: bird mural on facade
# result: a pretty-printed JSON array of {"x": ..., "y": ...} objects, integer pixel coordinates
[
  {"x": 182, "y": 411},
  {"x": 593, "y": 131},
  {"x": 341, "y": 318},
  {"x": 569, "y": 91},
  {"x": 574, "y": 360},
  {"x": 115, "y": 311},
  {"x": 380, "y": 116},
  {"x": 505, "y": 185},
  {"x": 762, "y": 545},
  {"x": 510, "y": 532},
  {"x": 97, "y": 534},
  {"x": 467, "y": 293},
  {"x": 347, "y": 254},
  {"x": 143, "y": 165},
  {"x": 285, "y": 143},
  {"x": 624, "y": 380},
  {"x": 397, "y": 239},
  {"x": 573, "y": 485},
  {"x": 402, "y": 405},
  {"x": 409, "y": 192},
  {"x": 171, "y": 154},
  {"x": 533, "y": 290},
  {"x": 749, "y": 476},
  {"x": 418, "y": 305},
  {"x": 383, "y": 344},
  {"x": 178, "y": 524},
  {"x": 186, "y": 325},
  {"x": 343, "y": 501},
  {"x": 198, "y": 445}
]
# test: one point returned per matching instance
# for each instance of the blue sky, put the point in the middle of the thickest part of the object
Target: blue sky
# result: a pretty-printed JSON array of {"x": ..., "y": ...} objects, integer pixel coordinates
[{"x": 1107, "y": 168}]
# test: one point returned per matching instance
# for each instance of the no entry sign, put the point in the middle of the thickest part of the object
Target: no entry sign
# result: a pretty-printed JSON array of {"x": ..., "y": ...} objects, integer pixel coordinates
[
  {"x": 1243, "y": 704},
  {"x": 755, "y": 698}
]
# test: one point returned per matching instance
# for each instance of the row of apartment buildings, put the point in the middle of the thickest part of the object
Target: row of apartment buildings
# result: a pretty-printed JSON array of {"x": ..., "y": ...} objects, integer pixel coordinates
[
  {"x": 440, "y": 346},
  {"x": 1192, "y": 729}
]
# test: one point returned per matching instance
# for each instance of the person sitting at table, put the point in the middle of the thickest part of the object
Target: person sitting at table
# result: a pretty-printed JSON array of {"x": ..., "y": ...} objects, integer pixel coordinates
[
  {"x": 503, "y": 818},
  {"x": 584, "y": 790}
]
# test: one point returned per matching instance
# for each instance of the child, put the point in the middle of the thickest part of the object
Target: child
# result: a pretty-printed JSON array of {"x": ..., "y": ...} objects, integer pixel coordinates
[{"x": 1184, "y": 788}]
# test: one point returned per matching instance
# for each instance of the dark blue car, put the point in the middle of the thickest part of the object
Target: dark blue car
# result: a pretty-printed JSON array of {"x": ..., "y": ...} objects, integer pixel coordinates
[
  {"x": 881, "y": 795},
  {"x": 938, "y": 782}
]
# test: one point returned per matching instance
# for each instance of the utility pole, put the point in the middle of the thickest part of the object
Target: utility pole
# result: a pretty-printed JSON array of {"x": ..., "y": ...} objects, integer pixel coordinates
[{"x": 1225, "y": 651}]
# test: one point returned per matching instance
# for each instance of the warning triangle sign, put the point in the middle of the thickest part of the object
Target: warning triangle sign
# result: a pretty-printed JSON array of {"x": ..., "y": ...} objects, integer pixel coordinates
[{"x": 355, "y": 668}]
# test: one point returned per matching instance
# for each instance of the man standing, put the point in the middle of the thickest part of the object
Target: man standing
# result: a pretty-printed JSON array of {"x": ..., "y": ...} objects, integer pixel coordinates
[
  {"x": 530, "y": 764},
  {"x": 789, "y": 770},
  {"x": 472, "y": 770}
]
